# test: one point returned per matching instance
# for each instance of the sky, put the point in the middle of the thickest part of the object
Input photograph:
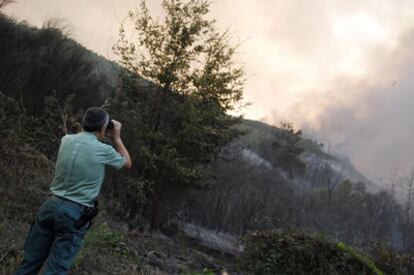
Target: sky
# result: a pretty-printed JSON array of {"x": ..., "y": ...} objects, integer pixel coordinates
[{"x": 342, "y": 70}]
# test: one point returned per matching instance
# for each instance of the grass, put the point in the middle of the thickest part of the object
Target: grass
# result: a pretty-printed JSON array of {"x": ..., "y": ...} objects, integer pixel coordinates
[{"x": 105, "y": 251}]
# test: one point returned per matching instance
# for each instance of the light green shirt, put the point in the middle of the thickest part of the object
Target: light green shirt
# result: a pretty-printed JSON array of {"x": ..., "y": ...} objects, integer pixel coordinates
[{"x": 80, "y": 167}]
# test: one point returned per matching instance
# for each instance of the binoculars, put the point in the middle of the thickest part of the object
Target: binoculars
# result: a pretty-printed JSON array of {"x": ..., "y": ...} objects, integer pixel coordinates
[{"x": 110, "y": 125}]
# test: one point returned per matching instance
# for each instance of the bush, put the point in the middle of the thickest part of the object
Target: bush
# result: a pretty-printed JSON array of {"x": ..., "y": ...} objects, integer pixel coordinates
[
  {"x": 391, "y": 261},
  {"x": 293, "y": 252},
  {"x": 12, "y": 235},
  {"x": 105, "y": 251}
]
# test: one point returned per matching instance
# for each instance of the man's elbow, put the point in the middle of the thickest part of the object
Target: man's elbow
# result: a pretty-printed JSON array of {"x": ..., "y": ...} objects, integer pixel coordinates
[{"x": 128, "y": 163}]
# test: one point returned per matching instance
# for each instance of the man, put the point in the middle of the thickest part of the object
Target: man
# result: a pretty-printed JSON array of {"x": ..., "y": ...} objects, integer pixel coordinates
[{"x": 55, "y": 235}]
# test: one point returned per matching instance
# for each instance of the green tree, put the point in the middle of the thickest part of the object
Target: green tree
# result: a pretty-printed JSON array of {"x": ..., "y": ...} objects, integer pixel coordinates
[
  {"x": 4, "y": 3},
  {"x": 176, "y": 120},
  {"x": 283, "y": 151},
  {"x": 51, "y": 77}
]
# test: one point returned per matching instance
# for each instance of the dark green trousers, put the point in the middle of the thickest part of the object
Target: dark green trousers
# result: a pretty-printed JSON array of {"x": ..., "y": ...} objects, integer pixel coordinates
[{"x": 53, "y": 238}]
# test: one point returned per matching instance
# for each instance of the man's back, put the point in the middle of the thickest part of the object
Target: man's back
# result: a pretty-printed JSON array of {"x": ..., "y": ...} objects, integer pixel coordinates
[
  {"x": 57, "y": 232},
  {"x": 80, "y": 167}
]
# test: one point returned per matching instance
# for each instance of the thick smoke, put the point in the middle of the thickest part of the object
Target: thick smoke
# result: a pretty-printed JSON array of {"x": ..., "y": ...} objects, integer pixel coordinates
[
  {"x": 370, "y": 119},
  {"x": 340, "y": 69}
]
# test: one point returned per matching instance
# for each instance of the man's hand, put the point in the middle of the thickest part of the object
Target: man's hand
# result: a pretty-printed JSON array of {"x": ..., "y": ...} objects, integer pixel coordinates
[
  {"x": 119, "y": 146},
  {"x": 116, "y": 131}
]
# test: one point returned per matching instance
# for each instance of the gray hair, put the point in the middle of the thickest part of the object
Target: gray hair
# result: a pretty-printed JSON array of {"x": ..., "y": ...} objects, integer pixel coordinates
[{"x": 95, "y": 119}]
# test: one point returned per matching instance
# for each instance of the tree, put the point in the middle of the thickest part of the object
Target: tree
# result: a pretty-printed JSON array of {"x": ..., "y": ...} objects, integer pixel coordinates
[
  {"x": 51, "y": 77},
  {"x": 407, "y": 188},
  {"x": 25, "y": 171},
  {"x": 175, "y": 120},
  {"x": 4, "y": 3},
  {"x": 284, "y": 151},
  {"x": 185, "y": 53}
]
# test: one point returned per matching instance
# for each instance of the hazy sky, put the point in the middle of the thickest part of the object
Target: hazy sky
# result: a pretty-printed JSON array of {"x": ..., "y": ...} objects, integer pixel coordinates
[{"x": 342, "y": 69}]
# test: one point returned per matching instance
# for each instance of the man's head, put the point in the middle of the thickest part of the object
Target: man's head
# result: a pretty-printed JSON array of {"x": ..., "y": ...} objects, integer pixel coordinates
[{"x": 95, "y": 120}]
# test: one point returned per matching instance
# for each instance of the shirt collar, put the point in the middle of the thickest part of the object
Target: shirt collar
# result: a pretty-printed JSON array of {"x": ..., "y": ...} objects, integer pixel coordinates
[{"x": 89, "y": 134}]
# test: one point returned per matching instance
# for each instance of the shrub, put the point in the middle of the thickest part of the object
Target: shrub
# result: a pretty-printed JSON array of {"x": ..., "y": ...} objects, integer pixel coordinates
[
  {"x": 293, "y": 252},
  {"x": 105, "y": 251},
  {"x": 391, "y": 261}
]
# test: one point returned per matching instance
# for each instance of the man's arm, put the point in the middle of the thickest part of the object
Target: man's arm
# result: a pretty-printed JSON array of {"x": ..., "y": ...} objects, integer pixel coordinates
[{"x": 119, "y": 145}]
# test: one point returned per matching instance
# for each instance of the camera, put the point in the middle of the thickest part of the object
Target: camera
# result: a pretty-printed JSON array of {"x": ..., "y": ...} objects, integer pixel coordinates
[{"x": 110, "y": 125}]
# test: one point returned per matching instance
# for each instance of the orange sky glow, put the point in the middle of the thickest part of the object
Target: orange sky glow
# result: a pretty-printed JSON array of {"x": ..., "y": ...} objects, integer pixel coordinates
[{"x": 340, "y": 69}]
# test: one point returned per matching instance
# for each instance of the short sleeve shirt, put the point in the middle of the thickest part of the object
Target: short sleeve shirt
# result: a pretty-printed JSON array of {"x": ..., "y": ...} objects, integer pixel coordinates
[{"x": 80, "y": 167}]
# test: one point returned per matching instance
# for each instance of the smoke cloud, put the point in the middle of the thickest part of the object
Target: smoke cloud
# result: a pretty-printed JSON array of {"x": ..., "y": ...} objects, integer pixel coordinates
[{"x": 342, "y": 70}]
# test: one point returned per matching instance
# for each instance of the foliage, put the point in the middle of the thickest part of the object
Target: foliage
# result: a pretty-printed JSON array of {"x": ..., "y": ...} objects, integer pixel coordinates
[
  {"x": 390, "y": 260},
  {"x": 297, "y": 253},
  {"x": 285, "y": 152},
  {"x": 205, "y": 271},
  {"x": 106, "y": 251},
  {"x": 281, "y": 146},
  {"x": 248, "y": 195},
  {"x": 185, "y": 53},
  {"x": 176, "y": 122},
  {"x": 12, "y": 233},
  {"x": 25, "y": 172},
  {"x": 4, "y": 3},
  {"x": 51, "y": 77},
  {"x": 362, "y": 258}
]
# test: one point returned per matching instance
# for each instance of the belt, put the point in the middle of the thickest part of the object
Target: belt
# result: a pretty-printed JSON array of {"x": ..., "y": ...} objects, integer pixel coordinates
[{"x": 67, "y": 200}]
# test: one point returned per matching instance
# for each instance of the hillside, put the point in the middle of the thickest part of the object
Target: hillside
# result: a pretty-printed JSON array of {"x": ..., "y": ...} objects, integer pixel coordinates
[{"x": 268, "y": 178}]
